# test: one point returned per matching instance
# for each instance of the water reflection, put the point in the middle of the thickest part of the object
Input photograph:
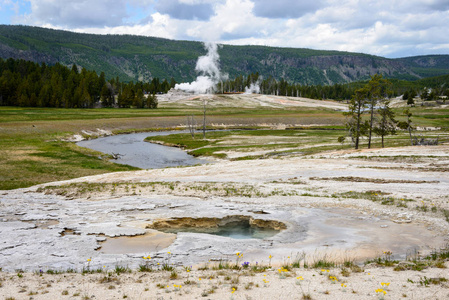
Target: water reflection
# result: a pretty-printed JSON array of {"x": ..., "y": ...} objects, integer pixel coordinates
[{"x": 137, "y": 153}]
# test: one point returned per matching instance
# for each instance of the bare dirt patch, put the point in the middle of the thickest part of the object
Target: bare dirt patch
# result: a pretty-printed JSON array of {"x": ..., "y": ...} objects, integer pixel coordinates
[{"x": 19, "y": 155}]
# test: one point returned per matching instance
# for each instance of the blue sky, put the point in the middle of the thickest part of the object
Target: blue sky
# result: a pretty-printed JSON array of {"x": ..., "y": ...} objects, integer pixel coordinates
[{"x": 393, "y": 28}]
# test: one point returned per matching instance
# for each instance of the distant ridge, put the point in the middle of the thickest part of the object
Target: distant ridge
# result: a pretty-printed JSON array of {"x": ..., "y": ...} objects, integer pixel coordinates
[{"x": 143, "y": 58}]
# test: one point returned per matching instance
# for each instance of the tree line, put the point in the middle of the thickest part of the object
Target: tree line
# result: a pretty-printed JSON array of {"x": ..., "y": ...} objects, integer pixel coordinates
[
  {"x": 29, "y": 84},
  {"x": 25, "y": 83},
  {"x": 427, "y": 89},
  {"x": 370, "y": 113},
  {"x": 271, "y": 86}
]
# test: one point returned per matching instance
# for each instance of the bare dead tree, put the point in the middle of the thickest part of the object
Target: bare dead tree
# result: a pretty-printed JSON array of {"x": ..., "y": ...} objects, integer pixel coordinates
[
  {"x": 191, "y": 125},
  {"x": 117, "y": 155},
  {"x": 421, "y": 141},
  {"x": 204, "y": 118}
]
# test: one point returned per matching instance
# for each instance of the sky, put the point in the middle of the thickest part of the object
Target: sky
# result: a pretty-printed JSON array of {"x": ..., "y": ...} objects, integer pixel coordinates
[{"x": 388, "y": 28}]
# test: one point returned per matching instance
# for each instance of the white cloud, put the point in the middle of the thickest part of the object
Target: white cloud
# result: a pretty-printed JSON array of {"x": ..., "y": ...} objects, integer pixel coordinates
[
  {"x": 77, "y": 13},
  {"x": 387, "y": 28},
  {"x": 159, "y": 26}
]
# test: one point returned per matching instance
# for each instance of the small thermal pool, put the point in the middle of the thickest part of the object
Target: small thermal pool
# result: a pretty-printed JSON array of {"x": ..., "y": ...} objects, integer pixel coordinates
[
  {"x": 236, "y": 227},
  {"x": 235, "y": 230}
]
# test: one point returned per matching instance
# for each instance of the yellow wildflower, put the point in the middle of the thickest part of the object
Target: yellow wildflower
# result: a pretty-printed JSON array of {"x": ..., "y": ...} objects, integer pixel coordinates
[{"x": 381, "y": 291}]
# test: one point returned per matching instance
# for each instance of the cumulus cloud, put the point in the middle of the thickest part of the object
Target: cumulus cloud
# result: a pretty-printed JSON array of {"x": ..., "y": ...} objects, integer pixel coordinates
[
  {"x": 389, "y": 28},
  {"x": 77, "y": 13},
  {"x": 233, "y": 19},
  {"x": 158, "y": 25}
]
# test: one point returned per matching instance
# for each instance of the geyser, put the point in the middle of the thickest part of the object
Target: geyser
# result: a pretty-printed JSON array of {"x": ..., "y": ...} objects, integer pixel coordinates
[{"x": 209, "y": 68}]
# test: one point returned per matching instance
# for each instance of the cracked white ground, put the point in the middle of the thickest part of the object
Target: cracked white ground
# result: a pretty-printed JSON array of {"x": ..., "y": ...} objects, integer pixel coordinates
[{"x": 309, "y": 194}]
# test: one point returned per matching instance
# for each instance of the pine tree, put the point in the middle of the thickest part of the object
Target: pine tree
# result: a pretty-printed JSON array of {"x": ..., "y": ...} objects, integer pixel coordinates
[
  {"x": 377, "y": 89},
  {"x": 152, "y": 101},
  {"x": 355, "y": 125},
  {"x": 386, "y": 124},
  {"x": 139, "y": 99}
]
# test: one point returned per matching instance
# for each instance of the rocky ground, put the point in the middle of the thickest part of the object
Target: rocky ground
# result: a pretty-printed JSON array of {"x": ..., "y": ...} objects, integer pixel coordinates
[{"x": 337, "y": 206}]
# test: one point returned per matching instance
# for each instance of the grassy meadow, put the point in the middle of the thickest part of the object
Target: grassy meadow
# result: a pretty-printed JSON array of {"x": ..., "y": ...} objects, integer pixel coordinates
[{"x": 33, "y": 150}]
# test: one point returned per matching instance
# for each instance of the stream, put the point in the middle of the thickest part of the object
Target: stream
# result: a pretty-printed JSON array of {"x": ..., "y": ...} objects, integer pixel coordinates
[{"x": 134, "y": 151}]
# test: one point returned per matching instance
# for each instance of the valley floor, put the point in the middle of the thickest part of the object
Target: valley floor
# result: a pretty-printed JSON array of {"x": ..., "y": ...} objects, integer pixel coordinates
[{"x": 393, "y": 199}]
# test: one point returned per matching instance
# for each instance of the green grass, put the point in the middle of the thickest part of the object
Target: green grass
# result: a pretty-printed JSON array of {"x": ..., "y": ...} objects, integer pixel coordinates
[
  {"x": 31, "y": 160},
  {"x": 250, "y": 140},
  {"x": 21, "y": 114},
  {"x": 32, "y": 150},
  {"x": 427, "y": 116}
]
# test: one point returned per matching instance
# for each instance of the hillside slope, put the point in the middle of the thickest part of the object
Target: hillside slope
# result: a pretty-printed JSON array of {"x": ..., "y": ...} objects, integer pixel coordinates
[{"x": 143, "y": 58}]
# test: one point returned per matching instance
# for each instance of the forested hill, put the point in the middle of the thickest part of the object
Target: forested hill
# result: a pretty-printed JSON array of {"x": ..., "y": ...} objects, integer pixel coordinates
[{"x": 143, "y": 58}]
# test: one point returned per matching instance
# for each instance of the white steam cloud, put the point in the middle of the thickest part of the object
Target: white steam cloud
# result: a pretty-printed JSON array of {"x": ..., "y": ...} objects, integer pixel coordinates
[
  {"x": 210, "y": 76},
  {"x": 254, "y": 87}
]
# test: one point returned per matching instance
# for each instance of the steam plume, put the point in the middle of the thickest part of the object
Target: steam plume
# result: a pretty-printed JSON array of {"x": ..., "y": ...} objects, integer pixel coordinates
[
  {"x": 254, "y": 87},
  {"x": 208, "y": 67}
]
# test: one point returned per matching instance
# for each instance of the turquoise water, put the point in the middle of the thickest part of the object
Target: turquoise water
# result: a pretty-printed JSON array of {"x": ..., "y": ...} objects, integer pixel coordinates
[{"x": 235, "y": 230}]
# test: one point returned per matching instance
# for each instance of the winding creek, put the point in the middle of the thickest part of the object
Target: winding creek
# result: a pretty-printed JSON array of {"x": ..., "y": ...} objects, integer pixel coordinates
[{"x": 138, "y": 153}]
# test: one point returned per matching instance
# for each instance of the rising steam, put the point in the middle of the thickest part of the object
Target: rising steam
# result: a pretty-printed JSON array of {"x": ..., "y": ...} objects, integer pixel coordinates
[
  {"x": 254, "y": 87},
  {"x": 210, "y": 76}
]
